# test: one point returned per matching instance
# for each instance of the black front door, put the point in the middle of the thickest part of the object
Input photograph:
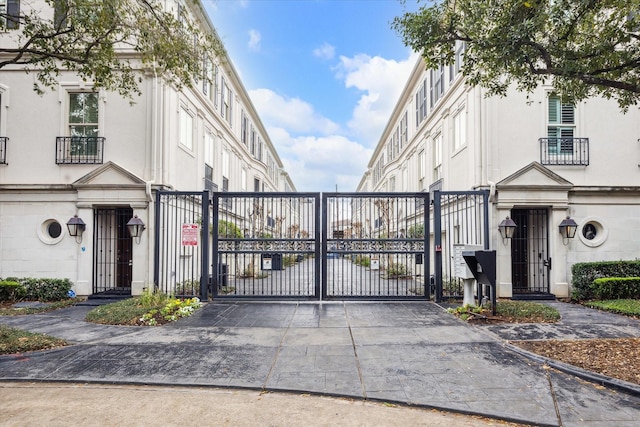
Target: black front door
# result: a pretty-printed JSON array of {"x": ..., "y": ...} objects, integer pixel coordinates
[
  {"x": 112, "y": 251},
  {"x": 530, "y": 259}
]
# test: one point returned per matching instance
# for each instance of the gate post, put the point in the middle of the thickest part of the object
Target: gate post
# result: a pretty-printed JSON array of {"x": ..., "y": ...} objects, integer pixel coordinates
[
  {"x": 437, "y": 253},
  {"x": 204, "y": 267}
]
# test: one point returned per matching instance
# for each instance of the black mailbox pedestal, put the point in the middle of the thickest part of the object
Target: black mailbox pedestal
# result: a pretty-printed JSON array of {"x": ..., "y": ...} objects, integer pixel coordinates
[{"x": 486, "y": 274}]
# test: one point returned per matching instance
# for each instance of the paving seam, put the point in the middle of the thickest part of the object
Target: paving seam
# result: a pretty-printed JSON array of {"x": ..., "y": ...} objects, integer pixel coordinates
[
  {"x": 554, "y": 397},
  {"x": 280, "y": 344},
  {"x": 355, "y": 351}
]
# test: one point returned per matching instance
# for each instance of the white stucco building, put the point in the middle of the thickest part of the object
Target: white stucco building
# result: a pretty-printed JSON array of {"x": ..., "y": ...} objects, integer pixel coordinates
[
  {"x": 90, "y": 153},
  {"x": 541, "y": 160}
]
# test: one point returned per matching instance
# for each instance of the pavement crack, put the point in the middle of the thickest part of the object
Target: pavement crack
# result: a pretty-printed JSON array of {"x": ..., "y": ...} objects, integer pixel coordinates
[
  {"x": 280, "y": 345},
  {"x": 355, "y": 351},
  {"x": 553, "y": 396}
]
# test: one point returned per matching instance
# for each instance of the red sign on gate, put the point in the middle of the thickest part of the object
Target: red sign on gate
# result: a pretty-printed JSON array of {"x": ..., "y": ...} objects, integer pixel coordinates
[{"x": 190, "y": 234}]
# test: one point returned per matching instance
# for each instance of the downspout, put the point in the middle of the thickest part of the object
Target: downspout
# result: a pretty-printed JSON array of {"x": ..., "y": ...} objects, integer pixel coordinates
[{"x": 154, "y": 136}]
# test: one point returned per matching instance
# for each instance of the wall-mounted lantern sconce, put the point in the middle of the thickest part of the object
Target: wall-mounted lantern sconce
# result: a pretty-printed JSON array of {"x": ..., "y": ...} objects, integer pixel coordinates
[
  {"x": 507, "y": 228},
  {"x": 76, "y": 227},
  {"x": 568, "y": 228},
  {"x": 136, "y": 227}
]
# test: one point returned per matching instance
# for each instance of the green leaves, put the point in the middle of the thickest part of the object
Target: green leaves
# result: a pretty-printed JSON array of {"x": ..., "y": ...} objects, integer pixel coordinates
[
  {"x": 111, "y": 43},
  {"x": 583, "y": 47}
]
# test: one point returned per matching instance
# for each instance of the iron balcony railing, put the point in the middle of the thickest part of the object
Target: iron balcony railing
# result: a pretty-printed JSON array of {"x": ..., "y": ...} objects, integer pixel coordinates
[
  {"x": 564, "y": 151},
  {"x": 79, "y": 149},
  {"x": 3, "y": 150}
]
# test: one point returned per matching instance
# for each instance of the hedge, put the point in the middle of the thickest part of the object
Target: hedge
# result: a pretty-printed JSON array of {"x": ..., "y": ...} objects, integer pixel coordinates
[
  {"x": 617, "y": 288},
  {"x": 585, "y": 273},
  {"x": 43, "y": 289},
  {"x": 11, "y": 290}
]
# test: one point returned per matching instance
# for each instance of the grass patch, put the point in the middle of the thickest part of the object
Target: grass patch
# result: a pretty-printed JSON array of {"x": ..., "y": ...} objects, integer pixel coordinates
[
  {"x": 7, "y": 308},
  {"x": 531, "y": 311},
  {"x": 511, "y": 312},
  {"x": 628, "y": 307},
  {"x": 151, "y": 308},
  {"x": 17, "y": 341},
  {"x": 125, "y": 312}
]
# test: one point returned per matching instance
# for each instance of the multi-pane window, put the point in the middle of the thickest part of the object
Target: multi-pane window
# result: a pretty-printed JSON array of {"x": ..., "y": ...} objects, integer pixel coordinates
[
  {"x": 437, "y": 84},
  {"x": 244, "y": 128},
  {"x": 256, "y": 185},
  {"x": 252, "y": 142},
  {"x": 460, "y": 48},
  {"x": 437, "y": 157},
  {"x": 208, "y": 148},
  {"x": 215, "y": 91},
  {"x": 403, "y": 131},
  {"x": 259, "y": 149},
  {"x": 83, "y": 123},
  {"x": 421, "y": 103},
  {"x": 226, "y": 102},
  {"x": 421, "y": 170},
  {"x": 9, "y": 14},
  {"x": 561, "y": 126},
  {"x": 186, "y": 129},
  {"x": 459, "y": 130}
]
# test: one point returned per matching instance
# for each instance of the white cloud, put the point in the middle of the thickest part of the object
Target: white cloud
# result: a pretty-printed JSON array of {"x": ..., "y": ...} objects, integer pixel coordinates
[
  {"x": 326, "y": 51},
  {"x": 254, "y": 40},
  {"x": 381, "y": 81},
  {"x": 320, "y": 163},
  {"x": 292, "y": 114}
]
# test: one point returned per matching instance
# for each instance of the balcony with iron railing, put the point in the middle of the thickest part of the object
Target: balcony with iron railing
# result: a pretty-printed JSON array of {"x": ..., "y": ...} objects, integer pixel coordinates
[
  {"x": 79, "y": 150},
  {"x": 3, "y": 150},
  {"x": 564, "y": 151}
]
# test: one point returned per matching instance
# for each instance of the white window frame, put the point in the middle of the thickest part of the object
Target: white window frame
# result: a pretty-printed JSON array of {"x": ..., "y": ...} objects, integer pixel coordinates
[
  {"x": 437, "y": 157},
  {"x": 209, "y": 147},
  {"x": 459, "y": 129},
  {"x": 187, "y": 123},
  {"x": 559, "y": 126}
]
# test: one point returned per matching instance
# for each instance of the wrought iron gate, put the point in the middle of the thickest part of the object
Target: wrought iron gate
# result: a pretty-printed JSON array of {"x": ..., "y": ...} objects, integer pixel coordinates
[
  {"x": 460, "y": 217},
  {"x": 374, "y": 245},
  {"x": 530, "y": 261},
  {"x": 112, "y": 248},
  {"x": 314, "y": 246}
]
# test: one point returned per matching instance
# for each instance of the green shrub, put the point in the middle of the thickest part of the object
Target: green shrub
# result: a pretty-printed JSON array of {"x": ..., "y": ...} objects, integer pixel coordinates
[
  {"x": 364, "y": 261},
  {"x": 228, "y": 230},
  {"x": 44, "y": 289},
  {"x": 415, "y": 231},
  {"x": 617, "y": 288},
  {"x": 585, "y": 273},
  {"x": 397, "y": 270},
  {"x": 11, "y": 290}
]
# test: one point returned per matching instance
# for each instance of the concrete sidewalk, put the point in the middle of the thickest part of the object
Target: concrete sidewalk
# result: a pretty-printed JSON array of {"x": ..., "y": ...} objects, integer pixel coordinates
[{"x": 408, "y": 353}]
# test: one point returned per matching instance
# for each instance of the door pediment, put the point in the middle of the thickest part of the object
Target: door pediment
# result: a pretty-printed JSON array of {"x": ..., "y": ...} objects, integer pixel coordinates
[
  {"x": 109, "y": 175},
  {"x": 534, "y": 185}
]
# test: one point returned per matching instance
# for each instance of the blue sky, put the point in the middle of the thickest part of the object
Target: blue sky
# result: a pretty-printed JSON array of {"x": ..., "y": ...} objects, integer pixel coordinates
[{"x": 324, "y": 76}]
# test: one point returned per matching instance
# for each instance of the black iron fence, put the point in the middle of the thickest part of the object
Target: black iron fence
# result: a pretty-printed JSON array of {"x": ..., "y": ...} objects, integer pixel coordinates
[
  {"x": 375, "y": 245},
  {"x": 182, "y": 242},
  {"x": 266, "y": 245},
  {"x": 459, "y": 218}
]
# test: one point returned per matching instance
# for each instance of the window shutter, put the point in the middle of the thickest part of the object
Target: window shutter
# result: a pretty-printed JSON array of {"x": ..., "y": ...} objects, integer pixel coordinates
[
  {"x": 554, "y": 102},
  {"x": 568, "y": 114}
]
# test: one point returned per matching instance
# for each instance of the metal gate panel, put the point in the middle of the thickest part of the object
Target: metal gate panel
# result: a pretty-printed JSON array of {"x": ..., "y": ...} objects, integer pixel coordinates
[
  {"x": 460, "y": 217},
  {"x": 182, "y": 243},
  {"x": 530, "y": 251},
  {"x": 112, "y": 248},
  {"x": 374, "y": 246},
  {"x": 266, "y": 245}
]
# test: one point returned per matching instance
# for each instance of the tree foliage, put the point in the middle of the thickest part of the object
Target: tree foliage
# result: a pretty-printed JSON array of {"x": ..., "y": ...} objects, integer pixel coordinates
[
  {"x": 582, "y": 47},
  {"x": 108, "y": 42}
]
